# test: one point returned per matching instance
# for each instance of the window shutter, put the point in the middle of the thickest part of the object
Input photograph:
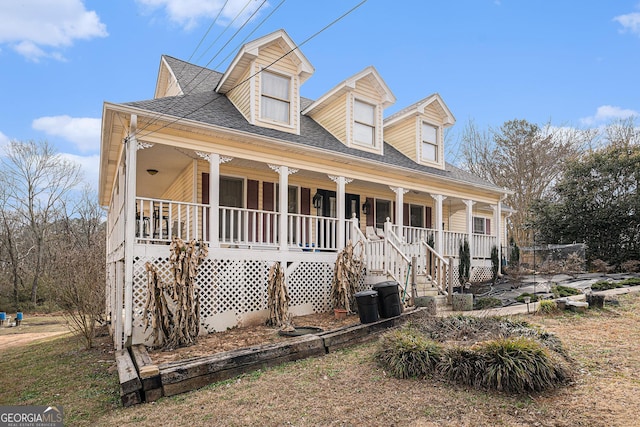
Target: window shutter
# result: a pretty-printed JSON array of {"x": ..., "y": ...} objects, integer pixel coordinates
[
  {"x": 252, "y": 194},
  {"x": 488, "y": 227},
  {"x": 371, "y": 216},
  {"x": 405, "y": 214},
  {"x": 305, "y": 201},
  {"x": 205, "y": 188},
  {"x": 267, "y": 196},
  {"x": 428, "y": 213}
]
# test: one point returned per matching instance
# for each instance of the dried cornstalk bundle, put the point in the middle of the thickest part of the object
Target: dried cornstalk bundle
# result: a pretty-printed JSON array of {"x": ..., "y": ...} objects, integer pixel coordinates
[
  {"x": 278, "y": 299},
  {"x": 185, "y": 259},
  {"x": 346, "y": 275},
  {"x": 159, "y": 316}
]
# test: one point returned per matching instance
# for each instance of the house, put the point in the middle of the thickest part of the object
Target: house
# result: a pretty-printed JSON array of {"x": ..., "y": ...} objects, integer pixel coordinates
[{"x": 240, "y": 160}]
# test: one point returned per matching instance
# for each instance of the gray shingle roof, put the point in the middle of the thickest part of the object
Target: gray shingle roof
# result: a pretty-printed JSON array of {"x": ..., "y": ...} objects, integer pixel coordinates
[{"x": 201, "y": 103}]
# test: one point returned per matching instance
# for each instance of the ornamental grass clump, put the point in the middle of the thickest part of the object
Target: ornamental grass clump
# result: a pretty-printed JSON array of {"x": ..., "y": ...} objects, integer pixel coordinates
[
  {"x": 461, "y": 365},
  {"x": 547, "y": 306},
  {"x": 406, "y": 353},
  {"x": 518, "y": 365}
]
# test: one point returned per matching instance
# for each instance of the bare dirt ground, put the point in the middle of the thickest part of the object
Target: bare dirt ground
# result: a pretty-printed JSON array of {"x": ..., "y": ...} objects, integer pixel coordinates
[
  {"x": 348, "y": 388},
  {"x": 248, "y": 336},
  {"x": 32, "y": 328}
]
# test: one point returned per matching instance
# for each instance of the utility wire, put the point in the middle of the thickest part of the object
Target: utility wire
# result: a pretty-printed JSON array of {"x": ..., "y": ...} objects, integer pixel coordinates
[
  {"x": 170, "y": 108},
  {"x": 256, "y": 73}
]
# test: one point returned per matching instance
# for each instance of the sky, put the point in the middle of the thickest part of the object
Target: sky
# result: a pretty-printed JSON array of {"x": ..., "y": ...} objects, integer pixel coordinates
[{"x": 565, "y": 62}]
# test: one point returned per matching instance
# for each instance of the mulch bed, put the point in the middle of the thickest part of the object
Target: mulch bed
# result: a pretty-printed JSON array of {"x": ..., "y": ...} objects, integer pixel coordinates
[{"x": 248, "y": 336}]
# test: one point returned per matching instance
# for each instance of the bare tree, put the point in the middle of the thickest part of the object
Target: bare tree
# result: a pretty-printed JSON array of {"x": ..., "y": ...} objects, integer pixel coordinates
[
  {"x": 38, "y": 181},
  {"x": 524, "y": 158},
  {"x": 79, "y": 265}
]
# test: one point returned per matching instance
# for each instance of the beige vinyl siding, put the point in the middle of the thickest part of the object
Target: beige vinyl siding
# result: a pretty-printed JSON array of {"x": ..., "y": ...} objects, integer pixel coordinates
[
  {"x": 333, "y": 118},
  {"x": 364, "y": 87},
  {"x": 241, "y": 95},
  {"x": 403, "y": 137},
  {"x": 271, "y": 56},
  {"x": 182, "y": 188}
]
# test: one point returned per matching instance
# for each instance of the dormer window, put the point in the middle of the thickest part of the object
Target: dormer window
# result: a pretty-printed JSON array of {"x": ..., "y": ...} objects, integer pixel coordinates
[
  {"x": 275, "y": 101},
  {"x": 429, "y": 143},
  {"x": 364, "y": 123}
]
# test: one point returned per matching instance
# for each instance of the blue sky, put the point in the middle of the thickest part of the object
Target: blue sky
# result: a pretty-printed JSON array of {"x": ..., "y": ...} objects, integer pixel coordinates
[{"x": 490, "y": 60}]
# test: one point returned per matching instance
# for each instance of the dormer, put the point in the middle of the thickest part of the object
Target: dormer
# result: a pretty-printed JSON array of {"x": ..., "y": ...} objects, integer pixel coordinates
[
  {"x": 167, "y": 83},
  {"x": 353, "y": 110},
  {"x": 263, "y": 82},
  {"x": 418, "y": 130}
]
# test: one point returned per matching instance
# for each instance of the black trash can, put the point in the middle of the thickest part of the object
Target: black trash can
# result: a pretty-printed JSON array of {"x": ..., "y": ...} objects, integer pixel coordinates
[
  {"x": 367, "y": 306},
  {"x": 389, "y": 303}
]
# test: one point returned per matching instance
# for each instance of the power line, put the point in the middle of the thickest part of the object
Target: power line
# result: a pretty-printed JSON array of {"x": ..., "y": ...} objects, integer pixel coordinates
[
  {"x": 159, "y": 115},
  {"x": 257, "y": 72}
]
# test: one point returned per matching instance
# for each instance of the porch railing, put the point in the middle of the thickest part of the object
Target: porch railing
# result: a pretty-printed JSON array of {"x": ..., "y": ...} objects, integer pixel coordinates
[
  {"x": 160, "y": 220},
  {"x": 311, "y": 232}
]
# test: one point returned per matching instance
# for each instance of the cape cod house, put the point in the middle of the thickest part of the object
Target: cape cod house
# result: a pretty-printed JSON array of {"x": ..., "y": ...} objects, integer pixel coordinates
[{"x": 241, "y": 161}]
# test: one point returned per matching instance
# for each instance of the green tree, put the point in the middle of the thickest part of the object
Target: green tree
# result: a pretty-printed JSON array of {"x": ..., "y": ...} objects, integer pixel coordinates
[
  {"x": 522, "y": 157},
  {"x": 597, "y": 201}
]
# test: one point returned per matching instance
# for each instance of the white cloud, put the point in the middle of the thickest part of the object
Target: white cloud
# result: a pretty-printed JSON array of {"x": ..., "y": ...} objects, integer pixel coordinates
[
  {"x": 187, "y": 12},
  {"x": 630, "y": 22},
  {"x": 84, "y": 132},
  {"x": 36, "y": 28},
  {"x": 89, "y": 165},
  {"x": 607, "y": 113},
  {"x": 4, "y": 140}
]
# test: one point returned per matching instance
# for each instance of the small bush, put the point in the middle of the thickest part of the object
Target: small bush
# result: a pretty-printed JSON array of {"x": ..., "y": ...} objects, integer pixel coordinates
[
  {"x": 520, "y": 298},
  {"x": 461, "y": 365},
  {"x": 488, "y": 302},
  {"x": 406, "y": 353},
  {"x": 604, "y": 285},
  {"x": 600, "y": 266},
  {"x": 631, "y": 266},
  {"x": 547, "y": 307},
  {"x": 519, "y": 365},
  {"x": 560, "y": 291},
  {"x": 632, "y": 281}
]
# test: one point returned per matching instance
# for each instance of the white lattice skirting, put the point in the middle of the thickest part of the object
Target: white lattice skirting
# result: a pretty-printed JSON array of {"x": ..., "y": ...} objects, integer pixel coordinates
[{"x": 234, "y": 292}]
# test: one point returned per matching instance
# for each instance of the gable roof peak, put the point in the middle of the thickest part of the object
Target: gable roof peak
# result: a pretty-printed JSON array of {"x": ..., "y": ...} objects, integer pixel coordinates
[
  {"x": 420, "y": 108},
  {"x": 250, "y": 51},
  {"x": 368, "y": 73}
]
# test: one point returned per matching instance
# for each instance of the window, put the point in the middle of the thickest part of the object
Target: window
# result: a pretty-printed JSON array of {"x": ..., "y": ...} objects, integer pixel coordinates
[
  {"x": 275, "y": 100},
  {"x": 383, "y": 211},
  {"x": 364, "y": 123},
  {"x": 292, "y": 198},
  {"x": 416, "y": 216},
  {"x": 429, "y": 143},
  {"x": 481, "y": 225}
]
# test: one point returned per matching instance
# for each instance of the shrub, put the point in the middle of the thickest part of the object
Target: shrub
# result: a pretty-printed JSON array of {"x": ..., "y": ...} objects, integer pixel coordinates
[
  {"x": 632, "y": 281},
  {"x": 488, "y": 302},
  {"x": 461, "y": 365},
  {"x": 601, "y": 266},
  {"x": 604, "y": 285},
  {"x": 520, "y": 298},
  {"x": 406, "y": 353},
  {"x": 519, "y": 365},
  {"x": 560, "y": 291},
  {"x": 547, "y": 307},
  {"x": 631, "y": 266}
]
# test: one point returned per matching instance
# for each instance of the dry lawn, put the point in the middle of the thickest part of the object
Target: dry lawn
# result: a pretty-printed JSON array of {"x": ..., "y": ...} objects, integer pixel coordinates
[{"x": 348, "y": 388}]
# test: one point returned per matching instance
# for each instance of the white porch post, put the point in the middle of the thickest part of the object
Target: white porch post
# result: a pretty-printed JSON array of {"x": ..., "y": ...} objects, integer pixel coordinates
[
  {"x": 130, "y": 225},
  {"x": 283, "y": 208},
  {"x": 439, "y": 198},
  {"x": 214, "y": 200},
  {"x": 400, "y": 192},
  {"x": 340, "y": 208},
  {"x": 469, "y": 204}
]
